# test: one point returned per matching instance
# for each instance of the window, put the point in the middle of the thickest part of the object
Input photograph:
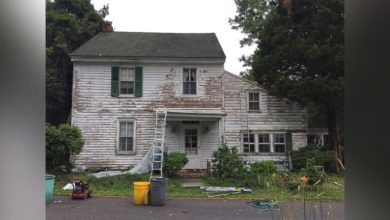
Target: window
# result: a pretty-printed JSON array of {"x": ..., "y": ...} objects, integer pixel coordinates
[
  {"x": 264, "y": 143},
  {"x": 254, "y": 101},
  {"x": 126, "y": 137},
  {"x": 258, "y": 142},
  {"x": 191, "y": 141},
  {"x": 126, "y": 80},
  {"x": 248, "y": 143},
  {"x": 314, "y": 139},
  {"x": 279, "y": 143},
  {"x": 189, "y": 81}
]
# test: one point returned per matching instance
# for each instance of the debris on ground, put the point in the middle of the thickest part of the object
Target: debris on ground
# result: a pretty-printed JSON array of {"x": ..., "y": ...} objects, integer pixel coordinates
[
  {"x": 81, "y": 189},
  {"x": 108, "y": 173},
  {"x": 68, "y": 186},
  {"x": 263, "y": 205},
  {"x": 225, "y": 189},
  {"x": 188, "y": 183},
  {"x": 338, "y": 184},
  {"x": 211, "y": 190}
]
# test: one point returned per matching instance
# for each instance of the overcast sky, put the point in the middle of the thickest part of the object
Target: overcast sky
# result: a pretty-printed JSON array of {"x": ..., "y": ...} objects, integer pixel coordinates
[{"x": 180, "y": 16}]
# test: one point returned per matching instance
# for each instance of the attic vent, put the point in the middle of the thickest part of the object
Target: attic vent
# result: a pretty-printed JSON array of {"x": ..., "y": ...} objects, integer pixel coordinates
[{"x": 190, "y": 122}]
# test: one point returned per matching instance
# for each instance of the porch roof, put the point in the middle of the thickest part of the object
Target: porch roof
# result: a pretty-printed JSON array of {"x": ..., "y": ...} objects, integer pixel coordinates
[{"x": 198, "y": 113}]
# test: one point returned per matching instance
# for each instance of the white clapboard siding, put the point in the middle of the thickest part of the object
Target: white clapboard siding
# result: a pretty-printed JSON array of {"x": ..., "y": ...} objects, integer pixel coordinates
[
  {"x": 96, "y": 113},
  {"x": 210, "y": 141},
  {"x": 276, "y": 115}
]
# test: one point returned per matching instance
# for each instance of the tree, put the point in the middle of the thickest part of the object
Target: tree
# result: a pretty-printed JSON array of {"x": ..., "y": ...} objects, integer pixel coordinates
[
  {"x": 299, "y": 54},
  {"x": 69, "y": 24}
]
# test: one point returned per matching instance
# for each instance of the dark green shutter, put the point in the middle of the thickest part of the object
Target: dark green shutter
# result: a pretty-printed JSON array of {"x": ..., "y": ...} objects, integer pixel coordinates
[
  {"x": 114, "y": 81},
  {"x": 289, "y": 141},
  {"x": 138, "y": 81}
]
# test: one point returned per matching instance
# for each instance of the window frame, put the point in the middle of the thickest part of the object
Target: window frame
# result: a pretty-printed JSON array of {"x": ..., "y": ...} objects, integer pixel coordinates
[
  {"x": 248, "y": 100},
  {"x": 284, "y": 143},
  {"x": 117, "y": 149},
  {"x": 257, "y": 142},
  {"x": 249, "y": 143},
  {"x": 191, "y": 148},
  {"x": 196, "y": 81},
  {"x": 120, "y": 82},
  {"x": 269, "y": 142}
]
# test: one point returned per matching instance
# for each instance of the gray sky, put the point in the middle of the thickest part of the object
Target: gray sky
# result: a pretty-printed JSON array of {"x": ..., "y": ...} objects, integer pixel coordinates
[{"x": 180, "y": 16}]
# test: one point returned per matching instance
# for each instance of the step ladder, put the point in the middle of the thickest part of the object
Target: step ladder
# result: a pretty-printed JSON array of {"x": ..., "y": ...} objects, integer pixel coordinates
[
  {"x": 244, "y": 122},
  {"x": 158, "y": 144}
]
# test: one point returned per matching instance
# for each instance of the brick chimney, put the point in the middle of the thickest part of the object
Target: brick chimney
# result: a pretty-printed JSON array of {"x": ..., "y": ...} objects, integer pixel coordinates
[{"x": 107, "y": 26}]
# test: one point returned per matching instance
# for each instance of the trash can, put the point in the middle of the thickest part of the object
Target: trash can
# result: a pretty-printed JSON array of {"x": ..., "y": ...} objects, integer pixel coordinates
[
  {"x": 141, "y": 193},
  {"x": 49, "y": 185},
  {"x": 158, "y": 189}
]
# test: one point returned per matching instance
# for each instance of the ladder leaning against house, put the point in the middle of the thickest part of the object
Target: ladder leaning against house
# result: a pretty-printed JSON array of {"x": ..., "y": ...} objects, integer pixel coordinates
[{"x": 158, "y": 143}]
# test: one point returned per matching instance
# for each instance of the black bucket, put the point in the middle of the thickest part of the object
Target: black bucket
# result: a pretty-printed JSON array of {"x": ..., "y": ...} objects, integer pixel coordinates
[{"x": 157, "y": 191}]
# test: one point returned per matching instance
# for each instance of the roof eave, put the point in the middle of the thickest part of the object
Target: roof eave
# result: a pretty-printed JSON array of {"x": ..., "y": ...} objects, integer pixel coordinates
[{"x": 146, "y": 59}]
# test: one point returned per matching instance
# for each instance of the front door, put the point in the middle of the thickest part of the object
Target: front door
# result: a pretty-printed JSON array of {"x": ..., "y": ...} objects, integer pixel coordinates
[{"x": 191, "y": 146}]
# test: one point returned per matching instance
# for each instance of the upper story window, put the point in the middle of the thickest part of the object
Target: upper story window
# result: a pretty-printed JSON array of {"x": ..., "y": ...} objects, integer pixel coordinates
[
  {"x": 126, "y": 138},
  {"x": 126, "y": 80},
  {"x": 189, "y": 81},
  {"x": 254, "y": 101}
]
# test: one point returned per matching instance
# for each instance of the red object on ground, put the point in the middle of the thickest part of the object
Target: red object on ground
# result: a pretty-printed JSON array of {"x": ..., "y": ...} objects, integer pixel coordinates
[{"x": 80, "y": 190}]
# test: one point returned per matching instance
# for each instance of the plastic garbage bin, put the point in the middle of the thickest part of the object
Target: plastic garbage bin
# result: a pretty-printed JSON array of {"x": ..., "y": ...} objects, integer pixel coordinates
[
  {"x": 49, "y": 185},
  {"x": 158, "y": 188},
  {"x": 141, "y": 193}
]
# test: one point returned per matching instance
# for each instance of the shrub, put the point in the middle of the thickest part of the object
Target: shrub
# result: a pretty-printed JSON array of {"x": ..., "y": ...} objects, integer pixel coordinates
[
  {"x": 312, "y": 173},
  {"x": 174, "y": 162},
  {"x": 62, "y": 143},
  {"x": 264, "y": 168},
  {"x": 226, "y": 163},
  {"x": 299, "y": 157}
]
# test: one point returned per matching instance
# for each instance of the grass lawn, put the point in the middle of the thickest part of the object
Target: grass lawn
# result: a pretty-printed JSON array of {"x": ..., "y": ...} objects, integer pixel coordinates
[{"x": 122, "y": 185}]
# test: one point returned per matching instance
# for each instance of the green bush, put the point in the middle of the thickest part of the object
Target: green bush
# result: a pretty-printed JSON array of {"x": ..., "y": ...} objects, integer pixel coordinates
[
  {"x": 174, "y": 162},
  {"x": 226, "y": 163},
  {"x": 299, "y": 157},
  {"x": 312, "y": 173},
  {"x": 62, "y": 143},
  {"x": 267, "y": 168}
]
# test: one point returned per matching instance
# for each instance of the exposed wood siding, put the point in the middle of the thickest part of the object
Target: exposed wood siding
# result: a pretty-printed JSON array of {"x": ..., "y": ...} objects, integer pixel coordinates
[
  {"x": 299, "y": 140},
  {"x": 276, "y": 115},
  {"x": 96, "y": 113},
  {"x": 210, "y": 142}
]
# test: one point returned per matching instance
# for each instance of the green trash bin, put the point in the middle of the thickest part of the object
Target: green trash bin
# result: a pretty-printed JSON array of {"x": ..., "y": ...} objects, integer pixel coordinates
[{"x": 49, "y": 183}]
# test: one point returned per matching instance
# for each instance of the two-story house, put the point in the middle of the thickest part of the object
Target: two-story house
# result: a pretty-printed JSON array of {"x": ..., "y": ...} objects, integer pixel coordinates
[{"x": 121, "y": 78}]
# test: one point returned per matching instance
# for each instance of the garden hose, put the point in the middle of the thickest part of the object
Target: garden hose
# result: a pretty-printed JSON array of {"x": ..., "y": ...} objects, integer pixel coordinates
[{"x": 263, "y": 205}]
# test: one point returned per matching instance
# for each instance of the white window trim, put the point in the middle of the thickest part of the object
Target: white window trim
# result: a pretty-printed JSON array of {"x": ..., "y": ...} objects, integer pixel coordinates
[
  {"x": 271, "y": 141},
  {"x": 118, "y": 134},
  {"x": 119, "y": 84},
  {"x": 182, "y": 81},
  {"x": 247, "y": 100},
  {"x": 321, "y": 134},
  {"x": 285, "y": 143},
  {"x": 242, "y": 142}
]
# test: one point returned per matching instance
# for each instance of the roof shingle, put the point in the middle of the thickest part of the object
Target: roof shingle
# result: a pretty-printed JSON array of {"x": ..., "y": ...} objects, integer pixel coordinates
[{"x": 152, "y": 45}]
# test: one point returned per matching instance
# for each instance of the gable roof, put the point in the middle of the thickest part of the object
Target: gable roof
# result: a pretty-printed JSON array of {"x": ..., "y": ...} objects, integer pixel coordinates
[
  {"x": 152, "y": 45},
  {"x": 245, "y": 80}
]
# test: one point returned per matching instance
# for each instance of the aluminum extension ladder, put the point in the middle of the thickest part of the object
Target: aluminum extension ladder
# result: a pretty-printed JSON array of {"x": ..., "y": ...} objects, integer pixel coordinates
[{"x": 158, "y": 144}]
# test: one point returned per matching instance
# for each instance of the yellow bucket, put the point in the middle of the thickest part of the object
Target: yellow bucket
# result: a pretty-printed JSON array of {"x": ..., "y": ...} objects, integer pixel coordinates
[{"x": 141, "y": 190}]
